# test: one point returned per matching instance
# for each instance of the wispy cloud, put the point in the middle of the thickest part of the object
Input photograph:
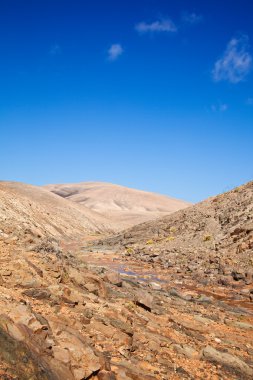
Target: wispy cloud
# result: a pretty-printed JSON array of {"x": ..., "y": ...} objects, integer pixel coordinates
[
  {"x": 191, "y": 18},
  {"x": 219, "y": 108},
  {"x": 223, "y": 107},
  {"x": 249, "y": 101},
  {"x": 55, "y": 49},
  {"x": 235, "y": 63},
  {"x": 158, "y": 26},
  {"x": 114, "y": 52}
]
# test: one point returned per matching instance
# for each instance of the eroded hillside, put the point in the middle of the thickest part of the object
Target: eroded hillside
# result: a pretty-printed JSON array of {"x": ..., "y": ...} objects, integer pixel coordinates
[
  {"x": 123, "y": 206},
  {"x": 32, "y": 214},
  {"x": 212, "y": 240}
]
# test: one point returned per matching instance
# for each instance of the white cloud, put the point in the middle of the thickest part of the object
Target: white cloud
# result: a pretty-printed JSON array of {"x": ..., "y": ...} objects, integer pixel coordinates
[
  {"x": 114, "y": 52},
  {"x": 192, "y": 18},
  {"x": 156, "y": 26},
  {"x": 249, "y": 101},
  {"x": 223, "y": 107},
  {"x": 236, "y": 62},
  {"x": 55, "y": 49},
  {"x": 219, "y": 108}
]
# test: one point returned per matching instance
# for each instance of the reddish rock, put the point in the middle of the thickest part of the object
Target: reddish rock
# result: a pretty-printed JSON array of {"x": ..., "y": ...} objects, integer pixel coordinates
[
  {"x": 105, "y": 375},
  {"x": 61, "y": 354},
  {"x": 144, "y": 299},
  {"x": 229, "y": 361},
  {"x": 114, "y": 278}
]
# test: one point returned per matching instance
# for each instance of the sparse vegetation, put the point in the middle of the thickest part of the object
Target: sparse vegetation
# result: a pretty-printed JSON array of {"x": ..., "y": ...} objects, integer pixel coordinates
[
  {"x": 170, "y": 238},
  {"x": 237, "y": 189},
  {"x": 207, "y": 237},
  {"x": 150, "y": 241},
  {"x": 131, "y": 306}
]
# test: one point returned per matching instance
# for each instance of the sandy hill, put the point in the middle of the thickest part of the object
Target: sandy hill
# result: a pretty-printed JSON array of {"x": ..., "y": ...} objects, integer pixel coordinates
[
  {"x": 124, "y": 206},
  {"x": 214, "y": 236},
  {"x": 27, "y": 210}
]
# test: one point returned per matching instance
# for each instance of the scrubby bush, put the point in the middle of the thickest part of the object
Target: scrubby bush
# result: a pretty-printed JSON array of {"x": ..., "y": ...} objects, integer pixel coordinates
[
  {"x": 207, "y": 237},
  {"x": 170, "y": 238}
]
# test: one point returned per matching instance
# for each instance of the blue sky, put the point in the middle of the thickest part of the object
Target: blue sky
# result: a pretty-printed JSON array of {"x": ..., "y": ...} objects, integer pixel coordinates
[{"x": 156, "y": 95}]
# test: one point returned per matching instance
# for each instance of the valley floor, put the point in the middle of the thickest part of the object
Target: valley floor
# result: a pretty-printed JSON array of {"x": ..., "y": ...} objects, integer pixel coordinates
[{"x": 95, "y": 314}]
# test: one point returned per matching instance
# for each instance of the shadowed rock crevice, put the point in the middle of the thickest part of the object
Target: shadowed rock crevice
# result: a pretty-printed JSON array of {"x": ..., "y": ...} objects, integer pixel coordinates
[{"x": 20, "y": 362}]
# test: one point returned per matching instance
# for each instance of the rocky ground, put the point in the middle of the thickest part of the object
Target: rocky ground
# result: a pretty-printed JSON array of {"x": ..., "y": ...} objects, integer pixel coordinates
[
  {"x": 74, "y": 317},
  {"x": 161, "y": 301},
  {"x": 211, "y": 242}
]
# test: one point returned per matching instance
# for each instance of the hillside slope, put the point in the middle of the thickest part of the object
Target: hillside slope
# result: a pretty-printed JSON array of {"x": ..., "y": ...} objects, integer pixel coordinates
[
  {"x": 28, "y": 211},
  {"x": 212, "y": 237},
  {"x": 122, "y": 205}
]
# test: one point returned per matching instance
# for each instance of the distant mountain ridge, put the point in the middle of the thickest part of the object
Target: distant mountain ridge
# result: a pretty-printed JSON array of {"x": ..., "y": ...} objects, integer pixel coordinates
[{"x": 123, "y": 206}]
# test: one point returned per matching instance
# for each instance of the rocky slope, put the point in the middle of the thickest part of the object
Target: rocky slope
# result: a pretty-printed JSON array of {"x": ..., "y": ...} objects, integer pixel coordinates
[
  {"x": 123, "y": 206},
  {"x": 212, "y": 240},
  {"x": 65, "y": 318},
  {"x": 32, "y": 213},
  {"x": 118, "y": 311}
]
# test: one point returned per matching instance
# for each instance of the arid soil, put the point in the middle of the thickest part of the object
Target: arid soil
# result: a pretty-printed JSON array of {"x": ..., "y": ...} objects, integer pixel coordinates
[
  {"x": 123, "y": 206},
  {"x": 170, "y": 299},
  {"x": 27, "y": 211},
  {"x": 211, "y": 242}
]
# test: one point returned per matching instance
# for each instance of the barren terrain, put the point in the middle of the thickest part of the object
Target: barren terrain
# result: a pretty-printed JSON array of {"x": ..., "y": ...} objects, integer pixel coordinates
[
  {"x": 167, "y": 299},
  {"x": 123, "y": 206},
  {"x": 30, "y": 210}
]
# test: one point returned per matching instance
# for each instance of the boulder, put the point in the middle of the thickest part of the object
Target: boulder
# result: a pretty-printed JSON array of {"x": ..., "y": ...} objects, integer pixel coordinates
[
  {"x": 238, "y": 275},
  {"x": 155, "y": 286},
  {"x": 37, "y": 293},
  {"x": 144, "y": 299},
  {"x": 113, "y": 278},
  {"x": 185, "y": 350},
  {"x": 229, "y": 361},
  {"x": 61, "y": 354},
  {"x": 106, "y": 375}
]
